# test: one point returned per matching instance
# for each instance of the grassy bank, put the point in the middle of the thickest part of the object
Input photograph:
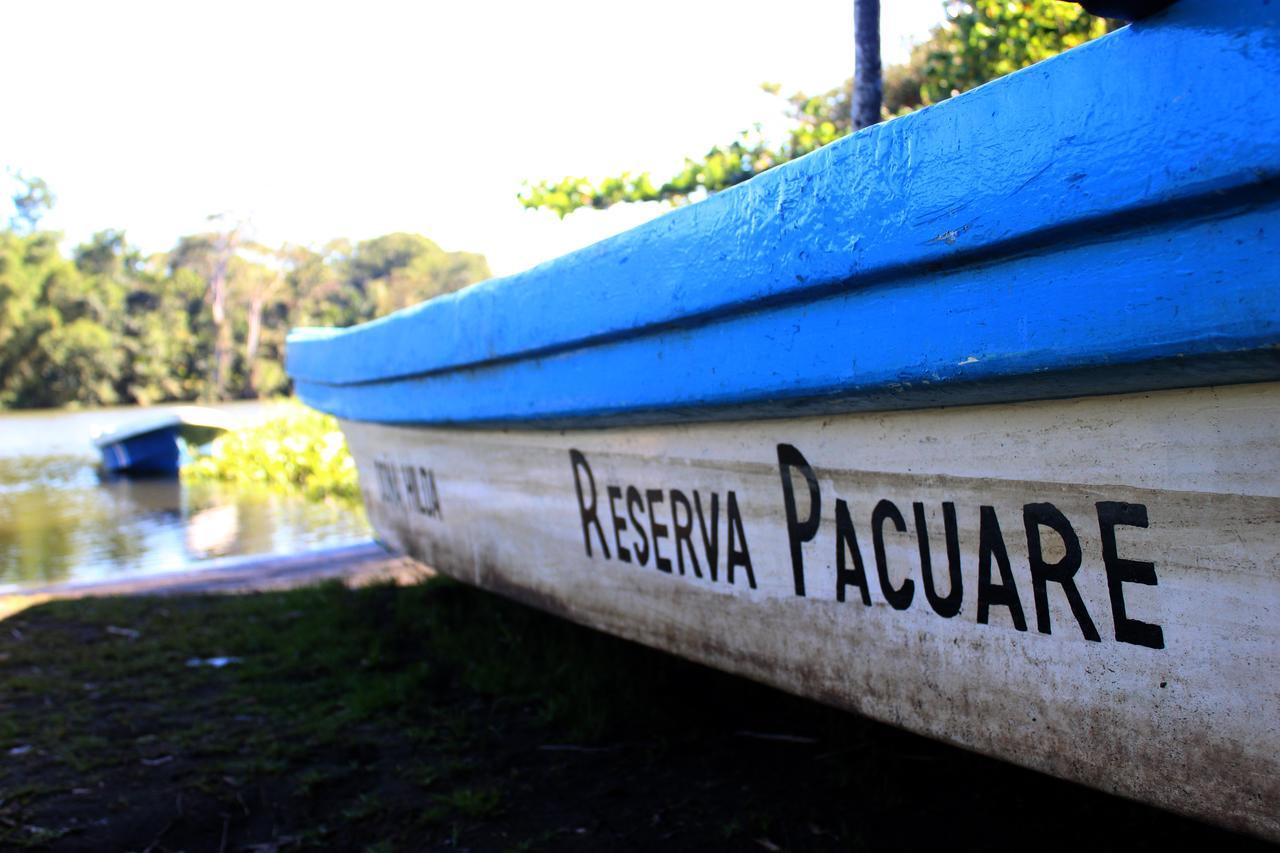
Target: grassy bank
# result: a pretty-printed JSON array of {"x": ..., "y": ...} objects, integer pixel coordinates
[
  {"x": 436, "y": 716},
  {"x": 300, "y": 450}
]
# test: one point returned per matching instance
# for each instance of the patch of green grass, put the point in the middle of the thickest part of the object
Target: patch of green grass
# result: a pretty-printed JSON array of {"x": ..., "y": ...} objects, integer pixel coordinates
[
  {"x": 421, "y": 717},
  {"x": 473, "y": 803},
  {"x": 313, "y": 779},
  {"x": 366, "y": 807},
  {"x": 315, "y": 668},
  {"x": 430, "y": 774},
  {"x": 32, "y": 837},
  {"x": 541, "y": 841},
  {"x": 313, "y": 665}
]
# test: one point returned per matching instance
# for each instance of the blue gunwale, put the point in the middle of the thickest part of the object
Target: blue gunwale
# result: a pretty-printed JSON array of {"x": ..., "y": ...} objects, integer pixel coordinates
[{"x": 1100, "y": 222}]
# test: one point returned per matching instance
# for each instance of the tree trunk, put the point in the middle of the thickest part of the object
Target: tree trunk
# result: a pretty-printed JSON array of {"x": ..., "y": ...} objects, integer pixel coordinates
[
  {"x": 262, "y": 291},
  {"x": 222, "y": 344},
  {"x": 222, "y": 341},
  {"x": 868, "y": 85},
  {"x": 222, "y": 331}
]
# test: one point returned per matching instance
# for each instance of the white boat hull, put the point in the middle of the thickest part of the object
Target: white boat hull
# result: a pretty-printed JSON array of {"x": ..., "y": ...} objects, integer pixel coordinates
[{"x": 1174, "y": 498}]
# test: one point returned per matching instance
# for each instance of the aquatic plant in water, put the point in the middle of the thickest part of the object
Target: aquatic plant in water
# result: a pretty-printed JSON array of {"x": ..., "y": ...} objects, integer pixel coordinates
[{"x": 300, "y": 450}]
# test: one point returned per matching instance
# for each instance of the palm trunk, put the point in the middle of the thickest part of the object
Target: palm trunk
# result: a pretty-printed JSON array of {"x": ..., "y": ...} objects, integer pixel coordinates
[{"x": 868, "y": 86}]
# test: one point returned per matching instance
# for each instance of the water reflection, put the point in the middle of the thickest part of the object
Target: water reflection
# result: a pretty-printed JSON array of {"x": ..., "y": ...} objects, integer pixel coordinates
[
  {"x": 59, "y": 521},
  {"x": 212, "y": 532}
]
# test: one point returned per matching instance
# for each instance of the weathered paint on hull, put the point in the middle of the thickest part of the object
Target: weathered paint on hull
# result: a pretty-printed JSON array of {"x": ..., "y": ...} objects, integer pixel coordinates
[{"x": 1151, "y": 670}]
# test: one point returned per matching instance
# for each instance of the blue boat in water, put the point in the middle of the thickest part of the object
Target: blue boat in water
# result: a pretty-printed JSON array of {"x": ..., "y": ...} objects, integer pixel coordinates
[
  {"x": 966, "y": 422},
  {"x": 155, "y": 444}
]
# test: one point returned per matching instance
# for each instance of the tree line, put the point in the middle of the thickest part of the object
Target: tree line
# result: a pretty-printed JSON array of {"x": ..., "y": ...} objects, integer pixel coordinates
[{"x": 207, "y": 320}]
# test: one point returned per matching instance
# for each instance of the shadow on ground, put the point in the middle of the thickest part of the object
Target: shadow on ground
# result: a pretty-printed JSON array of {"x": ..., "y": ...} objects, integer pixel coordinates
[{"x": 439, "y": 717}]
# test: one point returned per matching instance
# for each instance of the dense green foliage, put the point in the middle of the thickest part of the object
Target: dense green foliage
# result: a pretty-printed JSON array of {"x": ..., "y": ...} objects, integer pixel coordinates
[
  {"x": 300, "y": 450},
  {"x": 979, "y": 41},
  {"x": 983, "y": 40},
  {"x": 206, "y": 320}
]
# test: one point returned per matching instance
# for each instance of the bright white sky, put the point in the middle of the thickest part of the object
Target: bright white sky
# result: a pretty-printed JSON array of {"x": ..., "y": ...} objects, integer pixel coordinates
[{"x": 317, "y": 120}]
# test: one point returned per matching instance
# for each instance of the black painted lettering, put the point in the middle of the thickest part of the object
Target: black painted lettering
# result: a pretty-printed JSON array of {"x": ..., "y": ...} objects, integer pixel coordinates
[
  {"x": 682, "y": 532},
  {"x": 634, "y": 501},
  {"x": 619, "y": 524},
  {"x": 416, "y": 487},
  {"x": 429, "y": 478},
  {"x": 410, "y": 485},
  {"x": 1005, "y": 593},
  {"x": 900, "y": 598},
  {"x": 739, "y": 554},
  {"x": 385, "y": 493},
  {"x": 1112, "y": 514},
  {"x": 389, "y": 483},
  {"x": 410, "y": 478},
  {"x": 847, "y": 541},
  {"x": 423, "y": 496},
  {"x": 798, "y": 532},
  {"x": 948, "y": 605},
  {"x": 1035, "y": 516},
  {"x": 588, "y": 511},
  {"x": 657, "y": 531},
  {"x": 710, "y": 543},
  {"x": 435, "y": 491}
]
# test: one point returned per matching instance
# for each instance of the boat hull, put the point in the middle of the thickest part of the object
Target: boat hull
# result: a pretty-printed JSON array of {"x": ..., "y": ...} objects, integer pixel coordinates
[
  {"x": 1088, "y": 587},
  {"x": 895, "y": 426},
  {"x": 149, "y": 454}
]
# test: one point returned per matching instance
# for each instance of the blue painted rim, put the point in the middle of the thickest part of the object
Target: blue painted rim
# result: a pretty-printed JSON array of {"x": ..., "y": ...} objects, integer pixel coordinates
[{"x": 1098, "y": 223}]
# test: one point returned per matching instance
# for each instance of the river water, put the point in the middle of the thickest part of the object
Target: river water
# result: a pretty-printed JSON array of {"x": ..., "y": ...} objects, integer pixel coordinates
[{"x": 60, "y": 522}]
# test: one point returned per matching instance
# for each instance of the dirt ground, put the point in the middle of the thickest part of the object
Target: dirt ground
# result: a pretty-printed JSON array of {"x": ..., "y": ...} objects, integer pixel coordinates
[{"x": 433, "y": 716}]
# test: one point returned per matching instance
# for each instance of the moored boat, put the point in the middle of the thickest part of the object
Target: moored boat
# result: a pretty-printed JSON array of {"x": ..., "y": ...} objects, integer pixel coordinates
[
  {"x": 152, "y": 444},
  {"x": 965, "y": 422}
]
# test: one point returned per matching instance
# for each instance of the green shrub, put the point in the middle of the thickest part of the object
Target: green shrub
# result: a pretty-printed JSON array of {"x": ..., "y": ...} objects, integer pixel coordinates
[{"x": 300, "y": 451}]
